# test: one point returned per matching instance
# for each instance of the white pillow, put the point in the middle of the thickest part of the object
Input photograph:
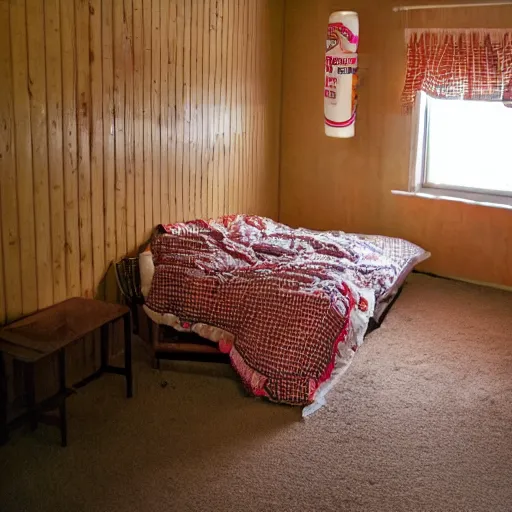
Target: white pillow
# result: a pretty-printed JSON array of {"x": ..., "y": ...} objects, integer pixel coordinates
[{"x": 147, "y": 270}]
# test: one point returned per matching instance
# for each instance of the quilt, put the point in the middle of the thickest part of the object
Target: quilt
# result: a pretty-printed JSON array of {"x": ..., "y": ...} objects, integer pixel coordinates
[{"x": 286, "y": 304}]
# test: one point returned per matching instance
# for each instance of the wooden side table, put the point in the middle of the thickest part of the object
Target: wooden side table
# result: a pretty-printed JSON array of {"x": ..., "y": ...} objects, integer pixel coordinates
[{"x": 48, "y": 332}]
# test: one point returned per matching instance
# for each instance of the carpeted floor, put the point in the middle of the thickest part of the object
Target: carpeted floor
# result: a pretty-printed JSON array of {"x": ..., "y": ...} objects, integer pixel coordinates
[{"x": 422, "y": 421}]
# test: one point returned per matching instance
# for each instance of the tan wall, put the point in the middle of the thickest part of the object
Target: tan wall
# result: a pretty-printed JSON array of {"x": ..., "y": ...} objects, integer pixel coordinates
[
  {"x": 346, "y": 184},
  {"x": 118, "y": 115}
]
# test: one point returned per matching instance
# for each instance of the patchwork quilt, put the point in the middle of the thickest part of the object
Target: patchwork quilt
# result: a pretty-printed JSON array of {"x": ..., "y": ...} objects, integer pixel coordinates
[{"x": 285, "y": 304}]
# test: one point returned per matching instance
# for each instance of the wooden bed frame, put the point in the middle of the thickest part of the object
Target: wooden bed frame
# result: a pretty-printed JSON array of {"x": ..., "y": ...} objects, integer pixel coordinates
[
  {"x": 165, "y": 342},
  {"x": 168, "y": 343}
]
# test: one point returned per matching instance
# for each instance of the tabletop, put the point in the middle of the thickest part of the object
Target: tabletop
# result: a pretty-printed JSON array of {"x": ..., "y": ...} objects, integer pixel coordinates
[{"x": 51, "y": 329}]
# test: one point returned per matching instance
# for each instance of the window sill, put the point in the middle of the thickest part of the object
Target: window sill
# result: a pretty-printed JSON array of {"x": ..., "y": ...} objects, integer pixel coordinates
[{"x": 492, "y": 201}]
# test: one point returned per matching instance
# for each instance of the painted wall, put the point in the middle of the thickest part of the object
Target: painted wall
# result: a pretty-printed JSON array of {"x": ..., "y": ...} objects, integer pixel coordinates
[
  {"x": 346, "y": 184},
  {"x": 118, "y": 115}
]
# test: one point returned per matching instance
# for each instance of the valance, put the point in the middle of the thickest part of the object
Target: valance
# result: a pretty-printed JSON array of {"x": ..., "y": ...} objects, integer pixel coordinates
[{"x": 458, "y": 64}]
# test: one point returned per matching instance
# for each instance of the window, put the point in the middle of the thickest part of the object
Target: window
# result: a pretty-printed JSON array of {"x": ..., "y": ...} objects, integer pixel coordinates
[{"x": 462, "y": 149}]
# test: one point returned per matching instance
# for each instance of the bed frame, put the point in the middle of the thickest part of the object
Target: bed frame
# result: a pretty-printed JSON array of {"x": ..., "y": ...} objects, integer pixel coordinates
[
  {"x": 170, "y": 344},
  {"x": 165, "y": 342}
]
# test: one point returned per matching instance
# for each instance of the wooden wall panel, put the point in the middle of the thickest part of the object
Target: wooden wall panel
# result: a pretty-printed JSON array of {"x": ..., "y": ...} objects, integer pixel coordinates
[
  {"x": 38, "y": 118},
  {"x": 129, "y": 120},
  {"x": 119, "y": 121},
  {"x": 172, "y": 99},
  {"x": 164, "y": 111},
  {"x": 180, "y": 110},
  {"x": 146, "y": 111},
  {"x": 55, "y": 154},
  {"x": 198, "y": 98},
  {"x": 109, "y": 133},
  {"x": 117, "y": 115},
  {"x": 83, "y": 87},
  {"x": 205, "y": 108},
  {"x": 155, "y": 105},
  {"x": 97, "y": 165},
  {"x": 187, "y": 106},
  {"x": 70, "y": 143},
  {"x": 138, "y": 103},
  {"x": 8, "y": 196},
  {"x": 24, "y": 173},
  {"x": 346, "y": 184}
]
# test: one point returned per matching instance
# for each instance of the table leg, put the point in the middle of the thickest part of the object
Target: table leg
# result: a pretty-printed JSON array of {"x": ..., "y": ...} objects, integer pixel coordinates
[
  {"x": 104, "y": 334},
  {"x": 128, "y": 354},
  {"x": 62, "y": 406},
  {"x": 4, "y": 432},
  {"x": 30, "y": 390}
]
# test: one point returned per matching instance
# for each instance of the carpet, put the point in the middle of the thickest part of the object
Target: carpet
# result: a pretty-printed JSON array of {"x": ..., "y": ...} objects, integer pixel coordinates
[{"x": 426, "y": 404}]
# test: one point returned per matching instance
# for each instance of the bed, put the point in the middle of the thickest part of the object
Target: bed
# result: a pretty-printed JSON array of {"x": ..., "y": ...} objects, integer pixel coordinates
[{"x": 288, "y": 307}]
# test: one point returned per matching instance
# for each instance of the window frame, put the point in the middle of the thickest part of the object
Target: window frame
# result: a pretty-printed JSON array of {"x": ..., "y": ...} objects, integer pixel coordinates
[{"x": 418, "y": 183}]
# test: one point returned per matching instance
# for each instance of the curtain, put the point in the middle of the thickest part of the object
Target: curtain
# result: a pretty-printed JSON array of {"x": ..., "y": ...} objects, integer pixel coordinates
[{"x": 458, "y": 64}]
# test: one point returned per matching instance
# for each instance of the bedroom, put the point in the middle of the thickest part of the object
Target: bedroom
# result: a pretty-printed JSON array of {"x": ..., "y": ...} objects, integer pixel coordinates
[{"x": 420, "y": 421}]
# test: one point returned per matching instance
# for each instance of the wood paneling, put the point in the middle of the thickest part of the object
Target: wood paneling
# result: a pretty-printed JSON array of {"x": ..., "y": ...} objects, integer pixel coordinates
[
  {"x": 70, "y": 143},
  {"x": 8, "y": 190},
  {"x": 55, "y": 153},
  {"x": 24, "y": 172},
  {"x": 38, "y": 117},
  {"x": 346, "y": 184},
  {"x": 118, "y": 115},
  {"x": 97, "y": 165}
]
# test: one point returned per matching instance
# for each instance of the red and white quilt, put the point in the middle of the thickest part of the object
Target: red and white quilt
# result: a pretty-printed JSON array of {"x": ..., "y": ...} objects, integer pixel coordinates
[{"x": 286, "y": 304}]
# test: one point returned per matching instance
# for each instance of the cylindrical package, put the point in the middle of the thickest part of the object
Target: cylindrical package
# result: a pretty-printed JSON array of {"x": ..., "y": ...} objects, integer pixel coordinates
[{"x": 341, "y": 61}]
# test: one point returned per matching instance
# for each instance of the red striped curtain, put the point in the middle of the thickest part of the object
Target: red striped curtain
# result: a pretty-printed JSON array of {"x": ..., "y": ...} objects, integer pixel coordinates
[{"x": 458, "y": 64}]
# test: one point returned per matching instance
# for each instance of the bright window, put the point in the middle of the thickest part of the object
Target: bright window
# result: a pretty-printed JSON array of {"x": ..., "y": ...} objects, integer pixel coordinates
[{"x": 463, "y": 146}]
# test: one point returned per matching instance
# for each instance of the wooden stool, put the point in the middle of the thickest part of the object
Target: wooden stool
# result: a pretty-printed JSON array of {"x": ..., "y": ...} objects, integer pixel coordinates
[{"x": 48, "y": 332}]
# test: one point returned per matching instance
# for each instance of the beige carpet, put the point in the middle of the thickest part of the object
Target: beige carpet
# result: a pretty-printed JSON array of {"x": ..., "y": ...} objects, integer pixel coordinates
[{"x": 422, "y": 421}]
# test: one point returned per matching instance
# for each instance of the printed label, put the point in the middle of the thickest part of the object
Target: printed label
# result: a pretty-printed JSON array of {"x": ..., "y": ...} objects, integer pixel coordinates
[
  {"x": 330, "y": 62},
  {"x": 331, "y": 82},
  {"x": 337, "y": 34}
]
